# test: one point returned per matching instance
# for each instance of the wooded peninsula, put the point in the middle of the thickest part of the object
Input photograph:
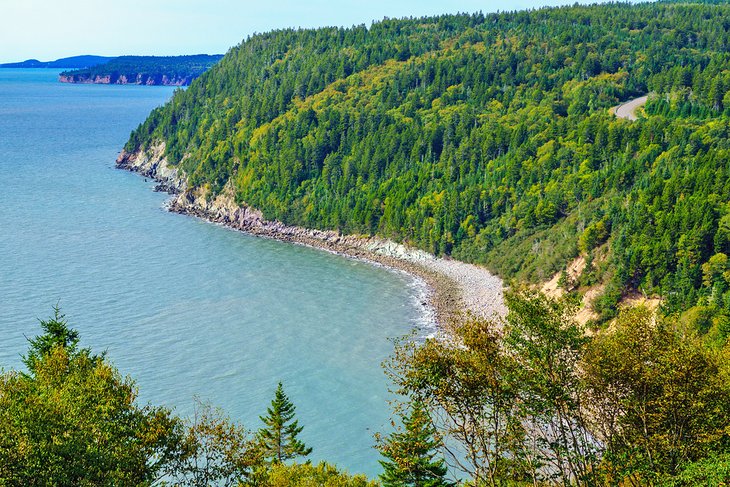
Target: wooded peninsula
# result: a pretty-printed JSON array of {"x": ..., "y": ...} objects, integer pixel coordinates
[
  {"x": 143, "y": 70},
  {"x": 487, "y": 138}
]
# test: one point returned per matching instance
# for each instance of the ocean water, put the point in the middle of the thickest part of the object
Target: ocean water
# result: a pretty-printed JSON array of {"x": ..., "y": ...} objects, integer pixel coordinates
[{"x": 186, "y": 308}]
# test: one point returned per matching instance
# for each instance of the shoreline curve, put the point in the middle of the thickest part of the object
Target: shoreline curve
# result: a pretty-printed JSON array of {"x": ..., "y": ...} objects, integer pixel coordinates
[{"x": 454, "y": 289}]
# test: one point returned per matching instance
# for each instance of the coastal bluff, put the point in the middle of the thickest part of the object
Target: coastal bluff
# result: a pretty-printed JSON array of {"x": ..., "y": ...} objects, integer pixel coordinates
[
  {"x": 144, "y": 70},
  {"x": 122, "y": 79}
]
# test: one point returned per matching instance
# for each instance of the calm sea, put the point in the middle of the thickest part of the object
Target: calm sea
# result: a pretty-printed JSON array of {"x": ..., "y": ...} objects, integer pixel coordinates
[{"x": 185, "y": 307}]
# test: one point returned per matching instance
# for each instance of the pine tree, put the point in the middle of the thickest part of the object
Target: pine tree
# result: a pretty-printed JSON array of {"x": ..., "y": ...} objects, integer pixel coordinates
[
  {"x": 411, "y": 453},
  {"x": 278, "y": 439}
]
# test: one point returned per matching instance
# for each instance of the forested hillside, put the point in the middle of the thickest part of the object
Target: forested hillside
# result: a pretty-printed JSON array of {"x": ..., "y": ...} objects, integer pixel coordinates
[{"x": 488, "y": 138}]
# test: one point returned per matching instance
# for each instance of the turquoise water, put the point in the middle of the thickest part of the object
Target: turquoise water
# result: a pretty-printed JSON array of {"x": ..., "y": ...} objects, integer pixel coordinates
[{"x": 185, "y": 307}]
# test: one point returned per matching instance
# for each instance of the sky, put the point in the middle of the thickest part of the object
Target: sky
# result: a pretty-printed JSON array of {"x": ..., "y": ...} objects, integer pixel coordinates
[{"x": 51, "y": 29}]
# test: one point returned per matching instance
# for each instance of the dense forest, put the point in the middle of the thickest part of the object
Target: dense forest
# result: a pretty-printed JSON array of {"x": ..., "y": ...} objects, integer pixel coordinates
[
  {"x": 144, "y": 70},
  {"x": 491, "y": 139},
  {"x": 488, "y": 138}
]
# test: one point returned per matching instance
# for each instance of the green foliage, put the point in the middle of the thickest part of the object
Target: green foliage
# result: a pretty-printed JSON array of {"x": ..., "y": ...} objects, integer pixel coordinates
[
  {"x": 214, "y": 451},
  {"x": 529, "y": 400},
  {"x": 486, "y": 137},
  {"x": 410, "y": 455},
  {"x": 547, "y": 346},
  {"x": 714, "y": 271},
  {"x": 73, "y": 420},
  {"x": 698, "y": 318},
  {"x": 56, "y": 334},
  {"x": 593, "y": 235},
  {"x": 660, "y": 398},
  {"x": 148, "y": 69},
  {"x": 540, "y": 403},
  {"x": 308, "y": 475},
  {"x": 508, "y": 394},
  {"x": 709, "y": 472},
  {"x": 277, "y": 440}
]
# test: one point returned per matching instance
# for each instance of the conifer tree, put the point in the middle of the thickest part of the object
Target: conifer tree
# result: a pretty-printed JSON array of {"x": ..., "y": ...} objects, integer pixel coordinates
[
  {"x": 57, "y": 333},
  {"x": 278, "y": 439},
  {"x": 411, "y": 454}
]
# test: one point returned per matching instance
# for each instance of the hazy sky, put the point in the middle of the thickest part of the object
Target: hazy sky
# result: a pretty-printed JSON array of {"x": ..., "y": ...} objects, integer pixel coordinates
[{"x": 50, "y": 29}]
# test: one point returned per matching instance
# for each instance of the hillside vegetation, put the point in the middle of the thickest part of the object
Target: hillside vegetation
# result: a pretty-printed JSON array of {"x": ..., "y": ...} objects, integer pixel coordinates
[
  {"x": 488, "y": 138},
  {"x": 71, "y": 418}
]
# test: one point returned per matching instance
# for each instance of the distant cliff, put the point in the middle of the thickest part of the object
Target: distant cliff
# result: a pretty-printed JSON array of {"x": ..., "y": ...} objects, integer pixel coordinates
[
  {"x": 144, "y": 70},
  {"x": 123, "y": 79}
]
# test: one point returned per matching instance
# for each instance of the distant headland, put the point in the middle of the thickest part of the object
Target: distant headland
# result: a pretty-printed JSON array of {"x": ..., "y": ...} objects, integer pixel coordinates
[
  {"x": 139, "y": 70},
  {"x": 144, "y": 70},
  {"x": 74, "y": 62}
]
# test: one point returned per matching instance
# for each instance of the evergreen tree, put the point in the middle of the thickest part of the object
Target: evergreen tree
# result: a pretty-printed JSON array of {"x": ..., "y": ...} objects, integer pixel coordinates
[
  {"x": 57, "y": 333},
  {"x": 411, "y": 454},
  {"x": 278, "y": 439}
]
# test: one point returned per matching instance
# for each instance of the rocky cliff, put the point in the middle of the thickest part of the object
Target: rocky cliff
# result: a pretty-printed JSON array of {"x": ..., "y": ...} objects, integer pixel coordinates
[
  {"x": 138, "y": 79},
  {"x": 144, "y": 70}
]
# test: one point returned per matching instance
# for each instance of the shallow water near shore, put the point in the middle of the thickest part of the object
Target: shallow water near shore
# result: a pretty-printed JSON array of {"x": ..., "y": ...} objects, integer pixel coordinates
[{"x": 185, "y": 307}]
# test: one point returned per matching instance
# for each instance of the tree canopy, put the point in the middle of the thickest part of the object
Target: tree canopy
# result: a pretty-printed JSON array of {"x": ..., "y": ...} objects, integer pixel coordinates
[
  {"x": 74, "y": 420},
  {"x": 411, "y": 456},
  {"x": 531, "y": 400}
]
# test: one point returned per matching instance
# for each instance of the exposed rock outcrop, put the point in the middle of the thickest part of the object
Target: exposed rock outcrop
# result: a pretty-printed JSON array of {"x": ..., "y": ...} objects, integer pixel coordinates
[
  {"x": 139, "y": 79},
  {"x": 153, "y": 164}
]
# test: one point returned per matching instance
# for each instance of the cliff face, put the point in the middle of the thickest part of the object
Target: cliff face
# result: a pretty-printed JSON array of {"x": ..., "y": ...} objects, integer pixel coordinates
[
  {"x": 139, "y": 79},
  {"x": 152, "y": 163}
]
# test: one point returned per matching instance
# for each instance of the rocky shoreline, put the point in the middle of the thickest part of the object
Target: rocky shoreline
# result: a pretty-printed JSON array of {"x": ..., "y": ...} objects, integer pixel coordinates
[{"x": 455, "y": 288}]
